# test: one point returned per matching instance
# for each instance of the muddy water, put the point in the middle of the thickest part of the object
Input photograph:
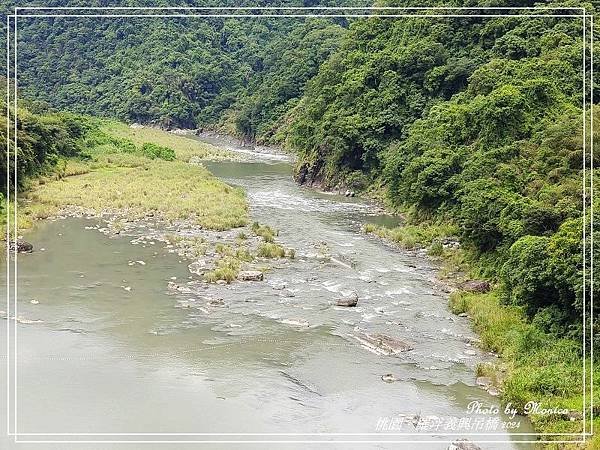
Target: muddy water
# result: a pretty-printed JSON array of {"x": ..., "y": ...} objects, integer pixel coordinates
[{"x": 111, "y": 349}]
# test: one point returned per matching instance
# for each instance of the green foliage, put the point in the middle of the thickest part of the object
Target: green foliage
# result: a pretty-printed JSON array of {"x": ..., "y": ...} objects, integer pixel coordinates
[
  {"x": 472, "y": 123},
  {"x": 270, "y": 250},
  {"x": 266, "y": 232},
  {"x": 43, "y": 142},
  {"x": 150, "y": 150},
  {"x": 531, "y": 369},
  {"x": 184, "y": 72},
  {"x": 227, "y": 270},
  {"x": 415, "y": 236}
]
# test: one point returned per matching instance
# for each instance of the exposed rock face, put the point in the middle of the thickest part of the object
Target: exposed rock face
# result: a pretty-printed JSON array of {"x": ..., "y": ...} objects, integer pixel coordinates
[
  {"x": 21, "y": 246},
  {"x": 349, "y": 300},
  {"x": 309, "y": 175},
  {"x": 250, "y": 275},
  {"x": 477, "y": 286},
  {"x": 302, "y": 174}
]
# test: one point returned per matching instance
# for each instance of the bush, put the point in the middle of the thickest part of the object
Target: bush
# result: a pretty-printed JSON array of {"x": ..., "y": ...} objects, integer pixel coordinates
[
  {"x": 266, "y": 232},
  {"x": 526, "y": 276},
  {"x": 153, "y": 151},
  {"x": 271, "y": 250},
  {"x": 436, "y": 249},
  {"x": 544, "y": 274}
]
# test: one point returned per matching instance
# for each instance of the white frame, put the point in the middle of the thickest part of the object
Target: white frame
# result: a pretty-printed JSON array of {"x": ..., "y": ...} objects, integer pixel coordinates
[{"x": 331, "y": 12}]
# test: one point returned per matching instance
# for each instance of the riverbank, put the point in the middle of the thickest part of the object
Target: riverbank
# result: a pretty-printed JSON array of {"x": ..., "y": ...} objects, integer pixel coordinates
[
  {"x": 537, "y": 373},
  {"x": 135, "y": 170},
  {"x": 132, "y": 177}
]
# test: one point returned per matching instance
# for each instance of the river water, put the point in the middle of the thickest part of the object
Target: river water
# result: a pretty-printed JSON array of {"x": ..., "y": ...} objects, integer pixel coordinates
[{"x": 106, "y": 351}]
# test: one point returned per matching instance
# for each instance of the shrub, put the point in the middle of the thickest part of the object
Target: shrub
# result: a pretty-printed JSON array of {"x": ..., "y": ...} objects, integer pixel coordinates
[
  {"x": 153, "y": 151},
  {"x": 266, "y": 232},
  {"x": 271, "y": 250},
  {"x": 436, "y": 249}
]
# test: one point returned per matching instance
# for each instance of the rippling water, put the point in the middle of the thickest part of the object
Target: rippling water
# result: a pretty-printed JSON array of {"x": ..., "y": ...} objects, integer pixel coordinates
[{"x": 112, "y": 349}]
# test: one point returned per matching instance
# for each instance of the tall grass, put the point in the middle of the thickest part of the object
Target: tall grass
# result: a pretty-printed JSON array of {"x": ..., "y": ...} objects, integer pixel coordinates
[
  {"x": 415, "y": 236},
  {"x": 266, "y": 232},
  {"x": 535, "y": 366}
]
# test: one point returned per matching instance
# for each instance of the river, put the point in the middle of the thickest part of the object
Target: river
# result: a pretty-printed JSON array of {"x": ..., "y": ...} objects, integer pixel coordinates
[{"x": 107, "y": 349}]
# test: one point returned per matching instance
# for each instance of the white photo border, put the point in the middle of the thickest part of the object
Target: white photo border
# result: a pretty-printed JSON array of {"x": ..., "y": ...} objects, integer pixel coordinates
[{"x": 297, "y": 12}]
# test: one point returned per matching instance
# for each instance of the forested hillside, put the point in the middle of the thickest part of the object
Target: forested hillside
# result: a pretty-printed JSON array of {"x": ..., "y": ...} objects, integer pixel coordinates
[
  {"x": 180, "y": 72},
  {"x": 43, "y": 140},
  {"x": 469, "y": 121}
]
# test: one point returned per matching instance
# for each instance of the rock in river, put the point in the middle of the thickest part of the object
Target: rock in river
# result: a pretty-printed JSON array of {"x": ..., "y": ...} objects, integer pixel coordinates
[
  {"x": 484, "y": 381},
  {"x": 21, "y": 246},
  {"x": 383, "y": 344},
  {"x": 348, "y": 300},
  {"x": 250, "y": 275},
  {"x": 389, "y": 378},
  {"x": 216, "y": 302}
]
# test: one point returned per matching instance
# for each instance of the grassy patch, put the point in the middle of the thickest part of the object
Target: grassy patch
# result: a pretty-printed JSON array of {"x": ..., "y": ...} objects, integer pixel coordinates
[
  {"x": 71, "y": 167},
  {"x": 271, "y": 250},
  {"x": 227, "y": 270},
  {"x": 415, "y": 236},
  {"x": 184, "y": 147},
  {"x": 535, "y": 366},
  {"x": 174, "y": 190},
  {"x": 266, "y": 232},
  {"x": 24, "y": 217},
  {"x": 135, "y": 170}
]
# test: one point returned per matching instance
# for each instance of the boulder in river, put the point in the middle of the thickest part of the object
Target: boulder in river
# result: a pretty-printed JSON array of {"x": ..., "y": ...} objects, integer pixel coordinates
[
  {"x": 389, "y": 378},
  {"x": 476, "y": 286},
  {"x": 250, "y": 275},
  {"x": 348, "y": 300},
  {"x": 21, "y": 246},
  {"x": 216, "y": 302},
  {"x": 494, "y": 392},
  {"x": 384, "y": 344}
]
